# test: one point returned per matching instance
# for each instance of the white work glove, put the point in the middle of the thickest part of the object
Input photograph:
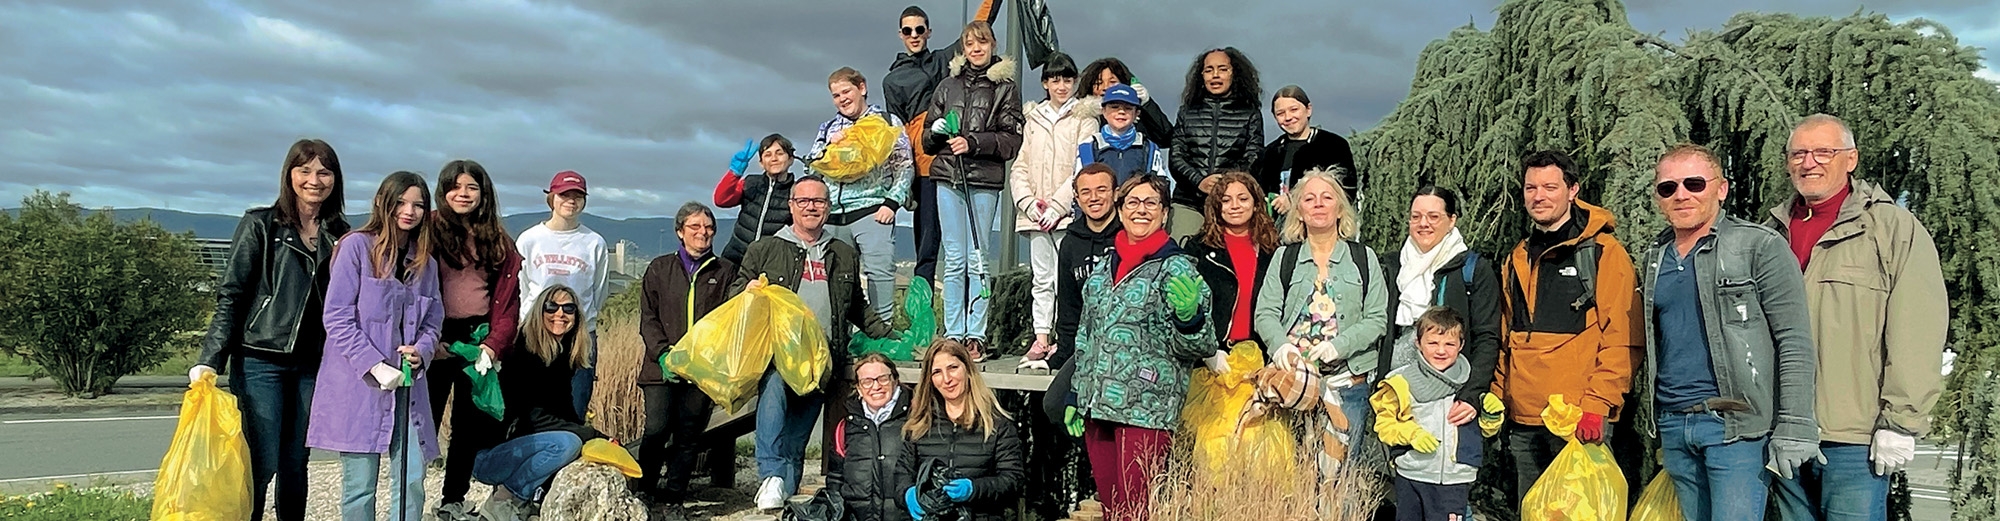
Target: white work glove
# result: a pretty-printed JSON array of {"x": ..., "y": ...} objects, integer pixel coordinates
[
  {"x": 1324, "y": 352},
  {"x": 386, "y": 378},
  {"x": 1891, "y": 451},
  {"x": 1141, "y": 91},
  {"x": 1219, "y": 363},
  {"x": 1032, "y": 364},
  {"x": 1287, "y": 355},
  {"x": 1049, "y": 218},
  {"x": 485, "y": 363},
  {"x": 937, "y": 127},
  {"x": 194, "y": 373}
]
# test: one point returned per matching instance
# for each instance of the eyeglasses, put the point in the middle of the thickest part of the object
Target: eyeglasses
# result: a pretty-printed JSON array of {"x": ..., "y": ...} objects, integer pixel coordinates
[
  {"x": 1136, "y": 203},
  {"x": 917, "y": 30},
  {"x": 809, "y": 202},
  {"x": 1669, "y": 187},
  {"x": 552, "y": 307},
  {"x": 1820, "y": 155},
  {"x": 877, "y": 382},
  {"x": 1427, "y": 218}
]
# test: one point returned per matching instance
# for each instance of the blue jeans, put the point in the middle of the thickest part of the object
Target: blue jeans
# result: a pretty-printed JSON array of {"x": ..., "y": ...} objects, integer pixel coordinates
[
  {"x": 784, "y": 424},
  {"x": 275, "y": 398},
  {"x": 1846, "y": 486},
  {"x": 965, "y": 220},
  {"x": 524, "y": 465},
  {"x": 357, "y": 480},
  {"x": 1715, "y": 479},
  {"x": 1360, "y": 416},
  {"x": 877, "y": 244},
  {"x": 583, "y": 381}
]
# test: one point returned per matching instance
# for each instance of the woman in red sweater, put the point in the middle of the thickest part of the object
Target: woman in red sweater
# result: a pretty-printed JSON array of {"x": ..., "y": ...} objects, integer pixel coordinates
[{"x": 1235, "y": 244}]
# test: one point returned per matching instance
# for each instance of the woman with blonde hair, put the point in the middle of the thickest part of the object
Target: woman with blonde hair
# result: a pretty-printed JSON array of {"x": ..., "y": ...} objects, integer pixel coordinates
[
  {"x": 956, "y": 420},
  {"x": 541, "y": 432}
]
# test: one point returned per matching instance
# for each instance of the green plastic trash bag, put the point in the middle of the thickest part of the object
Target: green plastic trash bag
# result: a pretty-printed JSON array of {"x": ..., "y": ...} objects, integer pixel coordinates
[
  {"x": 485, "y": 387},
  {"x": 905, "y": 344}
]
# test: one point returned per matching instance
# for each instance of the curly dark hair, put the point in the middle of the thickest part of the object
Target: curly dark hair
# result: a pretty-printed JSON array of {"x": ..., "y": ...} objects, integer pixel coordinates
[
  {"x": 1086, "y": 83},
  {"x": 1242, "y": 85}
]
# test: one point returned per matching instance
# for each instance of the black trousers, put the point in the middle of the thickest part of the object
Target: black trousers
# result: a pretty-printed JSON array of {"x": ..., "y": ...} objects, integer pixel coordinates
[
  {"x": 1419, "y": 501},
  {"x": 676, "y": 419},
  {"x": 472, "y": 430},
  {"x": 926, "y": 228}
]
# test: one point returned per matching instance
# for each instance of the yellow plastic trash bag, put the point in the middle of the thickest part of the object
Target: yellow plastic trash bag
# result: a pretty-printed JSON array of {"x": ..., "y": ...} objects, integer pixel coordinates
[
  {"x": 727, "y": 351},
  {"x": 1583, "y": 483},
  {"x": 206, "y": 474},
  {"x": 600, "y": 450},
  {"x": 1658, "y": 502},
  {"x": 861, "y": 148},
  {"x": 1216, "y": 402}
]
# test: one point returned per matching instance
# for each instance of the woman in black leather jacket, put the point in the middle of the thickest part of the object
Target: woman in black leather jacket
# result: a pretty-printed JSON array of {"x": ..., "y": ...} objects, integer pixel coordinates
[
  {"x": 1221, "y": 127},
  {"x": 956, "y": 420},
  {"x": 267, "y": 319}
]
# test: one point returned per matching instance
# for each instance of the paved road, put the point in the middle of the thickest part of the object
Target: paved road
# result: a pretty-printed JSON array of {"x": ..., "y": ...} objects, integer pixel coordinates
[
  {"x": 1930, "y": 483},
  {"x": 72, "y": 446}
]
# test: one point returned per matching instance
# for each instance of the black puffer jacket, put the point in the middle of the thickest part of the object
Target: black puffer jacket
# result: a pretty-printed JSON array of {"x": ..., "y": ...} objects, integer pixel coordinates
[
  {"x": 766, "y": 202},
  {"x": 1478, "y": 302},
  {"x": 272, "y": 290},
  {"x": 996, "y": 465},
  {"x": 912, "y": 80},
  {"x": 868, "y": 474},
  {"x": 1219, "y": 272},
  {"x": 1213, "y": 135},
  {"x": 988, "y": 102},
  {"x": 1321, "y": 150}
]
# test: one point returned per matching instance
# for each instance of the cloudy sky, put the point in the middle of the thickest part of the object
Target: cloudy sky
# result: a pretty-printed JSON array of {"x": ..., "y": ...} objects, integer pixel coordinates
[{"x": 190, "y": 104}]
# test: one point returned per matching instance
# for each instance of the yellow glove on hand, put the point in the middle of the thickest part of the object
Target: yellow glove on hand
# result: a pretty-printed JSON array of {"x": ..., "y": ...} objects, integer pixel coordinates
[{"x": 1423, "y": 441}]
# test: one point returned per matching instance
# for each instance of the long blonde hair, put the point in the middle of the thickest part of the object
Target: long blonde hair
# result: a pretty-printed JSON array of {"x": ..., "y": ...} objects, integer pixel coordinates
[
  {"x": 1346, "y": 223},
  {"x": 547, "y": 345},
  {"x": 984, "y": 410}
]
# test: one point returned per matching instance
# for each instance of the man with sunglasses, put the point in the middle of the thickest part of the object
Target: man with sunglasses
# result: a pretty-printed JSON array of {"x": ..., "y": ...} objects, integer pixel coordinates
[
  {"x": 907, "y": 89},
  {"x": 1728, "y": 347},
  {"x": 677, "y": 290},
  {"x": 1567, "y": 315},
  {"x": 826, "y": 275},
  {"x": 1879, "y": 312}
]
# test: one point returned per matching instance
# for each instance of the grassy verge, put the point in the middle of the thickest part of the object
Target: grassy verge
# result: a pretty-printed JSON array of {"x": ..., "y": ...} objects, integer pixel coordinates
[
  {"x": 11, "y": 365},
  {"x": 64, "y": 503}
]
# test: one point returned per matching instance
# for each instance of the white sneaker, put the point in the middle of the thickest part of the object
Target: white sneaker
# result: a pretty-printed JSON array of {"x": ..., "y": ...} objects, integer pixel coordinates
[
  {"x": 497, "y": 508},
  {"x": 770, "y": 495}
]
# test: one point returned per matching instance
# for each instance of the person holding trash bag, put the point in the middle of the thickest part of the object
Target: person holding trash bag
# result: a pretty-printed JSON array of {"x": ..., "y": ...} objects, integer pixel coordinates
[
  {"x": 678, "y": 289},
  {"x": 383, "y": 317},
  {"x": 864, "y": 156},
  {"x": 561, "y": 250},
  {"x": 825, "y": 274},
  {"x": 267, "y": 319},
  {"x": 541, "y": 432},
  {"x": 478, "y": 273},
  {"x": 1729, "y": 347},
  {"x": 868, "y": 473},
  {"x": 765, "y": 198},
  {"x": 956, "y": 420},
  {"x": 1145, "y": 326}
]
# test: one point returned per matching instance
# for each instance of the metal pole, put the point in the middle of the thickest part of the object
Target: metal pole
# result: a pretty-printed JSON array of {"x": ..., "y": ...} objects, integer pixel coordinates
[{"x": 1009, "y": 252}]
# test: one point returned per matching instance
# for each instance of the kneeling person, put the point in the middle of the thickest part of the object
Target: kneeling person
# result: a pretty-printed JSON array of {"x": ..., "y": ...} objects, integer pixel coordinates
[{"x": 541, "y": 431}]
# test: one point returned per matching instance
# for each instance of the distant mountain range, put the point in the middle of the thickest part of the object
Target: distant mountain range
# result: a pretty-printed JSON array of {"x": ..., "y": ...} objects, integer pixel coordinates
[{"x": 651, "y": 235}]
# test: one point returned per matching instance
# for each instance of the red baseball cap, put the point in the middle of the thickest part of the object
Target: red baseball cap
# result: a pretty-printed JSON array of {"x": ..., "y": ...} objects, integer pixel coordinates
[{"x": 565, "y": 181}]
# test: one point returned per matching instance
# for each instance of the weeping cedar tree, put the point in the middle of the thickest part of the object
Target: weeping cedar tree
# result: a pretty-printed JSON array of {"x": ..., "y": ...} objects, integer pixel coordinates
[
  {"x": 1573, "y": 75},
  {"x": 89, "y": 300}
]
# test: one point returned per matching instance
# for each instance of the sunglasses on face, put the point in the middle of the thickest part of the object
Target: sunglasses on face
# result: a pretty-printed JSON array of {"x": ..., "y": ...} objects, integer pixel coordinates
[
  {"x": 914, "y": 30},
  {"x": 567, "y": 309},
  {"x": 1669, "y": 187}
]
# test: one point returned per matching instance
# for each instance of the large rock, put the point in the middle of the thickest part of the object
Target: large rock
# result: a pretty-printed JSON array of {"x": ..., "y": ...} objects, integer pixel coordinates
[{"x": 590, "y": 492}]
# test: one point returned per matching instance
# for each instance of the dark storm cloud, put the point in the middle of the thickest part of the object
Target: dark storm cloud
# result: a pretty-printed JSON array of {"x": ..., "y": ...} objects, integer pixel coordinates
[{"x": 191, "y": 104}]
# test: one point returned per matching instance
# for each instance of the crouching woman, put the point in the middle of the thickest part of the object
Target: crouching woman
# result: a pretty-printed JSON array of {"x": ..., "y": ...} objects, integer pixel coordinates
[
  {"x": 541, "y": 433},
  {"x": 955, "y": 419}
]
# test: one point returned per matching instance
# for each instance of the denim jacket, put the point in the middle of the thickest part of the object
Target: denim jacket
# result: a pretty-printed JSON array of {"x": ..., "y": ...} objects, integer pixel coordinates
[{"x": 1753, "y": 310}]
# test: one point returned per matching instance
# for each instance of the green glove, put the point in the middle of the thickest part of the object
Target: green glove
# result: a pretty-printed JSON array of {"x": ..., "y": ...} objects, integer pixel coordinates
[
  {"x": 1184, "y": 293},
  {"x": 1072, "y": 421},
  {"x": 666, "y": 372},
  {"x": 951, "y": 123}
]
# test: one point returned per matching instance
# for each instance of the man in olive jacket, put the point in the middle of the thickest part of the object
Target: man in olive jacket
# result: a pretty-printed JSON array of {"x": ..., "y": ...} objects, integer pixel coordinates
[
  {"x": 826, "y": 274},
  {"x": 1879, "y": 314}
]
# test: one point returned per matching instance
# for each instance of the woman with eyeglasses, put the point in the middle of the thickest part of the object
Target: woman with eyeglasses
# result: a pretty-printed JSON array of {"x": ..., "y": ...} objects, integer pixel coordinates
[
  {"x": 1145, "y": 326},
  {"x": 869, "y": 443},
  {"x": 541, "y": 432},
  {"x": 677, "y": 290},
  {"x": 1436, "y": 268},
  {"x": 955, "y": 419}
]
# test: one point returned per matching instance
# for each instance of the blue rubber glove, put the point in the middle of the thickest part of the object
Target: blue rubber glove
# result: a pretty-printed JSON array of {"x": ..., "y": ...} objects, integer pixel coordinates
[
  {"x": 741, "y": 161},
  {"x": 958, "y": 490},
  {"x": 910, "y": 500}
]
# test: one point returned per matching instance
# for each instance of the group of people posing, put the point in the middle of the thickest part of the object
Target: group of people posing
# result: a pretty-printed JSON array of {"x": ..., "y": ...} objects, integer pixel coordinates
[{"x": 1797, "y": 353}]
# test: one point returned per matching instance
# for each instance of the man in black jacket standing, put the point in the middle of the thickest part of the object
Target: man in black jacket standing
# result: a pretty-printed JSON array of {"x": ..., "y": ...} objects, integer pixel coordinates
[
  {"x": 907, "y": 90},
  {"x": 1088, "y": 241},
  {"x": 692, "y": 280}
]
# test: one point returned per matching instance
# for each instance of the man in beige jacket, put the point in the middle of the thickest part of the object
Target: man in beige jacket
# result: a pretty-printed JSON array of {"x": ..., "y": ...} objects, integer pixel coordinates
[{"x": 1876, "y": 293}]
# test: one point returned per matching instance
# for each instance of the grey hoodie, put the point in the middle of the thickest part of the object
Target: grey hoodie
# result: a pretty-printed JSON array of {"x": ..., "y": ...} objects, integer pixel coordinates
[{"x": 812, "y": 282}]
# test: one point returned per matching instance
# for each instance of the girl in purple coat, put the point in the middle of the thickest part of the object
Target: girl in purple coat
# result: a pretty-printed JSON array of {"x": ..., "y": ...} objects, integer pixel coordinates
[{"x": 382, "y": 312}]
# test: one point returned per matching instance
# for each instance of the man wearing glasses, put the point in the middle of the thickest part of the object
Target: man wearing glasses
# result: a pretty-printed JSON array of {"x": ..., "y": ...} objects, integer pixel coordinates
[
  {"x": 1728, "y": 347},
  {"x": 1879, "y": 314},
  {"x": 908, "y": 87},
  {"x": 825, "y": 274}
]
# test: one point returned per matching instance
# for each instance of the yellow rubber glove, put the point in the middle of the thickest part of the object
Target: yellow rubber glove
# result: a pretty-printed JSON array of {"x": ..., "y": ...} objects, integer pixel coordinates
[{"x": 1423, "y": 441}]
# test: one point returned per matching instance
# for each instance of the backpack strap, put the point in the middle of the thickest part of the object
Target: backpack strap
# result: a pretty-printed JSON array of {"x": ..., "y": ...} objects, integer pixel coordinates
[
  {"x": 1357, "y": 253},
  {"x": 1471, "y": 259},
  {"x": 1291, "y": 262},
  {"x": 1586, "y": 273}
]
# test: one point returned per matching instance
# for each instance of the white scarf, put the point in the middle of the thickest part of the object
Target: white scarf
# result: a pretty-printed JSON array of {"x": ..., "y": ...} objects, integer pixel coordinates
[{"x": 1415, "y": 278}]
